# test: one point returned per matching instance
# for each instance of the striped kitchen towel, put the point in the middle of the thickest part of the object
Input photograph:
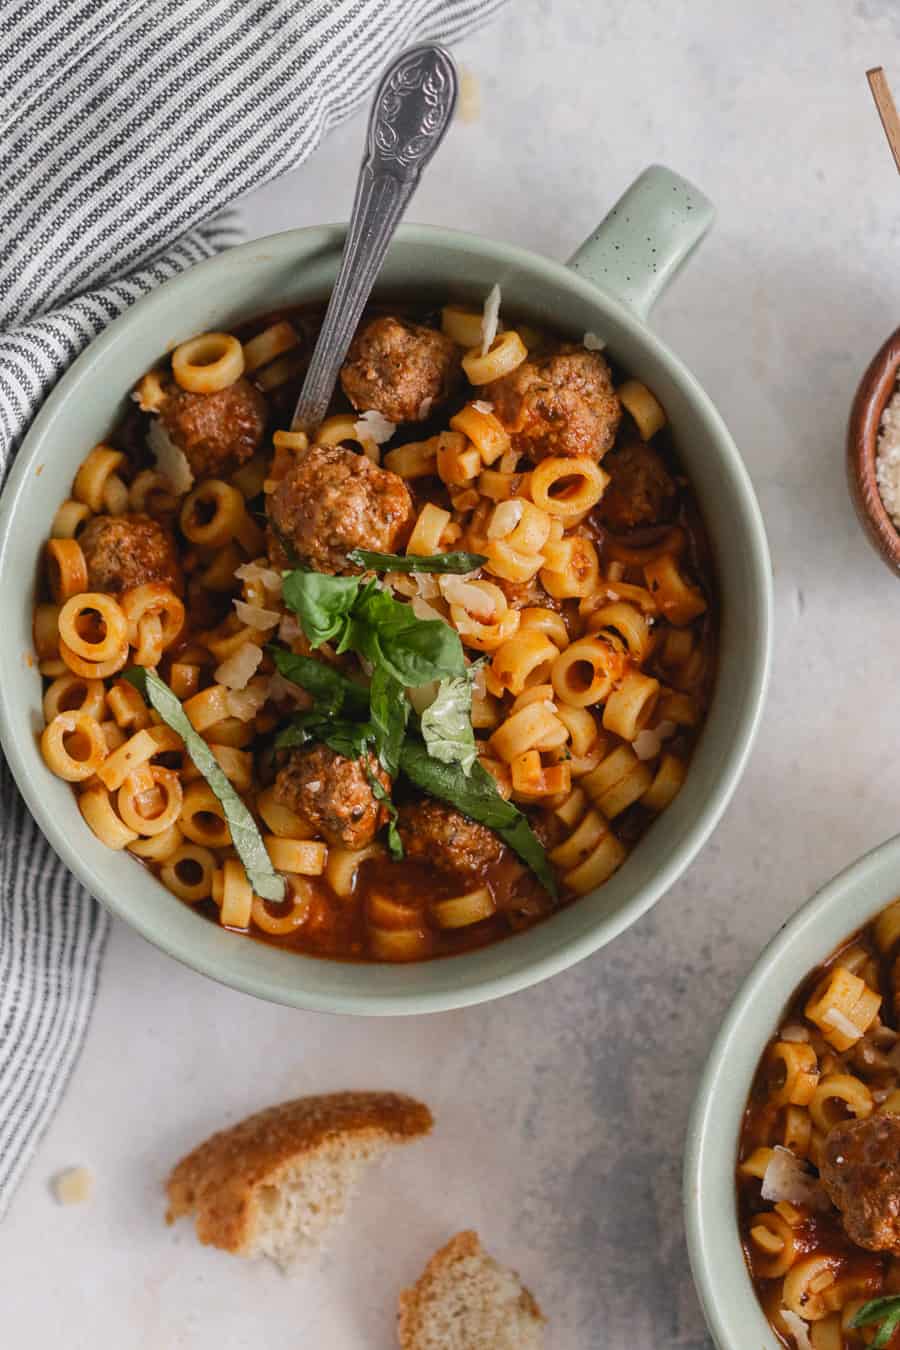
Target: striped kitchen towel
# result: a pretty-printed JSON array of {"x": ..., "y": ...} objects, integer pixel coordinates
[{"x": 125, "y": 132}]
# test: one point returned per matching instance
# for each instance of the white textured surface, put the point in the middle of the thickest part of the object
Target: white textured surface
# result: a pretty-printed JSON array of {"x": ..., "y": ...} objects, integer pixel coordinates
[{"x": 561, "y": 1111}]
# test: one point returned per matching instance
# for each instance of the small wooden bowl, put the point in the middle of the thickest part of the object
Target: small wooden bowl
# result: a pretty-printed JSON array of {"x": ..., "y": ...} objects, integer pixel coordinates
[{"x": 875, "y": 390}]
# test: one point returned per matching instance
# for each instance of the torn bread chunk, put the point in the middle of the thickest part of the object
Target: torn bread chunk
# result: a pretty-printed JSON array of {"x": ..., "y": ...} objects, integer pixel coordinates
[
  {"x": 465, "y": 1300},
  {"x": 271, "y": 1185}
]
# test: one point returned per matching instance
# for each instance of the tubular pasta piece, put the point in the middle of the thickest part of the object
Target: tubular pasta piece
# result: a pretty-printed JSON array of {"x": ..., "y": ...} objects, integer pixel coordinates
[
  {"x": 668, "y": 782},
  {"x": 586, "y": 671},
  {"x": 66, "y": 569},
  {"x": 84, "y": 735},
  {"x": 568, "y": 486},
  {"x": 202, "y": 818},
  {"x": 188, "y": 873},
  {"x": 96, "y": 808},
  {"x": 460, "y": 911},
  {"x": 208, "y": 363},
  {"x": 304, "y": 856},
  {"x": 92, "y": 477},
  {"x": 506, "y": 352},
  {"x": 620, "y": 779}
]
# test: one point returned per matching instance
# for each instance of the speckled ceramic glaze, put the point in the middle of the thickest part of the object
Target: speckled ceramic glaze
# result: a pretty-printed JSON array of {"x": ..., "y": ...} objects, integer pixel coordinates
[
  {"x": 846, "y": 904},
  {"x": 608, "y": 289}
]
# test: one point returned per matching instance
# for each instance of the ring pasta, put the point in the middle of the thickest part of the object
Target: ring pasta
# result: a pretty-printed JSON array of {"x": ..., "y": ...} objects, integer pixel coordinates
[{"x": 587, "y": 619}]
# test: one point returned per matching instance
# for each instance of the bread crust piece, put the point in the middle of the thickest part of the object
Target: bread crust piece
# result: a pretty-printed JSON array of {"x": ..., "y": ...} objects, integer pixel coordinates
[
  {"x": 431, "y": 1286},
  {"x": 221, "y": 1179}
]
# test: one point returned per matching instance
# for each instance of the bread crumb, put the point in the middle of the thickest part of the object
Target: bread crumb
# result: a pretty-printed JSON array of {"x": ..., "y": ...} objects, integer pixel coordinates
[
  {"x": 469, "y": 106},
  {"x": 75, "y": 1186}
]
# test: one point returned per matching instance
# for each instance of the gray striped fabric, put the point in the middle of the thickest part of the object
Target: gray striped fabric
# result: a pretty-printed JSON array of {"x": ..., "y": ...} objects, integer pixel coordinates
[{"x": 125, "y": 130}]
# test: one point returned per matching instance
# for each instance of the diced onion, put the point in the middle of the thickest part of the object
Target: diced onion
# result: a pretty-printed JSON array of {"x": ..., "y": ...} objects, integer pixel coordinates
[
  {"x": 647, "y": 744},
  {"x": 254, "y": 616},
  {"x": 508, "y": 461},
  {"x": 280, "y": 688},
  {"x": 841, "y": 1022},
  {"x": 505, "y": 518},
  {"x": 237, "y": 670},
  {"x": 489, "y": 319},
  {"x": 374, "y": 426},
  {"x": 786, "y": 1178},
  {"x": 423, "y": 696},
  {"x": 423, "y": 610},
  {"x": 289, "y": 628},
  {"x": 592, "y": 342},
  {"x": 481, "y": 405},
  {"x": 798, "y": 1329},
  {"x": 425, "y": 408},
  {"x": 244, "y": 704},
  {"x": 253, "y": 571},
  {"x": 794, "y": 1032},
  {"x": 471, "y": 598},
  {"x": 171, "y": 461}
]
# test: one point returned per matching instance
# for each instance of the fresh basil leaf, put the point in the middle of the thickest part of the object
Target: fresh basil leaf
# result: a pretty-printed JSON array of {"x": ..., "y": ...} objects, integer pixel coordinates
[
  {"x": 447, "y": 723},
  {"x": 477, "y": 796},
  {"x": 458, "y": 563},
  {"x": 331, "y": 690},
  {"x": 390, "y": 714},
  {"x": 414, "y": 650},
  {"x": 885, "y": 1310},
  {"x": 885, "y": 1332},
  {"x": 245, "y": 836},
  {"x": 321, "y": 602},
  {"x": 395, "y": 843},
  {"x": 350, "y": 739}
]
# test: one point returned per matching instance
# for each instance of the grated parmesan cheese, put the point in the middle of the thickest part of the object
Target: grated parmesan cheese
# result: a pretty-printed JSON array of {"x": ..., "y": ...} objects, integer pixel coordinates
[
  {"x": 490, "y": 318},
  {"x": 254, "y": 616},
  {"x": 374, "y": 426},
  {"x": 840, "y": 1022},
  {"x": 887, "y": 458},
  {"x": 787, "y": 1178},
  {"x": 592, "y": 342},
  {"x": 237, "y": 670},
  {"x": 798, "y": 1329},
  {"x": 171, "y": 461}
]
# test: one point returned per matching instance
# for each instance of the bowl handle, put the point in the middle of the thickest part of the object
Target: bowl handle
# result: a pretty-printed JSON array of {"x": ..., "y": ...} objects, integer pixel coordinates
[{"x": 635, "y": 252}]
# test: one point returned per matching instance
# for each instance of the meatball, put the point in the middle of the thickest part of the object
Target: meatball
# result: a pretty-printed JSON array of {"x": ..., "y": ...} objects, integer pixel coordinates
[
  {"x": 126, "y": 551},
  {"x": 563, "y": 404},
  {"x": 217, "y": 432},
  {"x": 400, "y": 369},
  {"x": 438, "y": 834},
  {"x": 861, "y": 1173},
  {"x": 640, "y": 490},
  {"x": 334, "y": 794},
  {"x": 331, "y": 501}
]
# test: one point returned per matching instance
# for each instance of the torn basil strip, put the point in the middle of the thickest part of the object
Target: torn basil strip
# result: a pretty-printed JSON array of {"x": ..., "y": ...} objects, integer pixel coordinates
[{"x": 245, "y": 836}]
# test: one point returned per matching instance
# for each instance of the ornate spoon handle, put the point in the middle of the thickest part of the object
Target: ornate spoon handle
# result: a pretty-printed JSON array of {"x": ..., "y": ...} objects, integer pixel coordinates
[{"x": 411, "y": 112}]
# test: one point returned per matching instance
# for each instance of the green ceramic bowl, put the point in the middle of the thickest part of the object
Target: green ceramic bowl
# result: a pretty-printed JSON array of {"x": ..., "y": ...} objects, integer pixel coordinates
[
  {"x": 833, "y": 915},
  {"x": 608, "y": 289}
]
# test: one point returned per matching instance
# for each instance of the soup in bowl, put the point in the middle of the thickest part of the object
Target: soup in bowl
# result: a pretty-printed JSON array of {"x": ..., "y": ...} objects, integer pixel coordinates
[
  {"x": 409, "y": 745},
  {"x": 791, "y": 1181}
]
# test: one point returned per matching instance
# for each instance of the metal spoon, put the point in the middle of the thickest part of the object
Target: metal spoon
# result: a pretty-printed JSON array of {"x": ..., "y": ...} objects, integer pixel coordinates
[{"x": 412, "y": 110}]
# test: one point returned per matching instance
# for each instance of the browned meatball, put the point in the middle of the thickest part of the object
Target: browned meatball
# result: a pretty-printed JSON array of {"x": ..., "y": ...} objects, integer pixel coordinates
[
  {"x": 126, "y": 551},
  {"x": 332, "y": 501},
  {"x": 640, "y": 491},
  {"x": 334, "y": 794},
  {"x": 400, "y": 369},
  {"x": 443, "y": 837},
  {"x": 562, "y": 404},
  {"x": 861, "y": 1173},
  {"x": 217, "y": 432}
]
